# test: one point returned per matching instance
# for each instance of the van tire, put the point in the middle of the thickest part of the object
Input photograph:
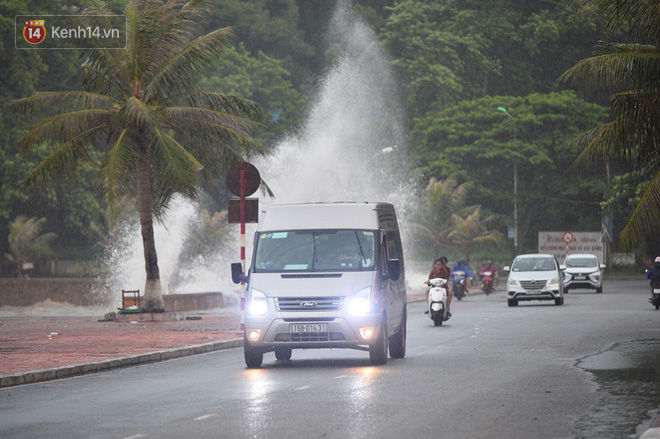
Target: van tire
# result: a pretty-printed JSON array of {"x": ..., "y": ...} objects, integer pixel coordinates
[
  {"x": 398, "y": 340},
  {"x": 378, "y": 349},
  {"x": 283, "y": 354},
  {"x": 254, "y": 357}
]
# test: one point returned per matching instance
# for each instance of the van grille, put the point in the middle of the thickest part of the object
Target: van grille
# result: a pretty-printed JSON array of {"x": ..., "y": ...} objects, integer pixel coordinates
[
  {"x": 532, "y": 284},
  {"x": 309, "y": 303}
]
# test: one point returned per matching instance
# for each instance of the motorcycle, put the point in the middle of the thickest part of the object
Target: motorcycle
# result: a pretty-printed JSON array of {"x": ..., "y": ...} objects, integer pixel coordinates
[
  {"x": 437, "y": 301},
  {"x": 487, "y": 281},
  {"x": 655, "y": 295},
  {"x": 458, "y": 277}
]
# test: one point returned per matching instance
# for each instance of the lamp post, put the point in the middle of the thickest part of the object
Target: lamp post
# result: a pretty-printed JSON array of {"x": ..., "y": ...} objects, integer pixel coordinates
[{"x": 515, "y": 187}]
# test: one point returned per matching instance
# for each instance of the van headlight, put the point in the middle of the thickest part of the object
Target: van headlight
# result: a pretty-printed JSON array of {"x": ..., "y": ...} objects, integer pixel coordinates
[
  {"x": 512, "y": 282},
  {"x": 554, "y": 281},
  {"x": 258, "y": 304},
  {"x": 360, "y": 302}
]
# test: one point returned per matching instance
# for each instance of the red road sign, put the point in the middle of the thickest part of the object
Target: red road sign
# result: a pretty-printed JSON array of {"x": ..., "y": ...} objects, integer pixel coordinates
[
  {"x": 251, "y": 210},
  {"x": 568, "y": 237},
  {"x": 252, "y": 179}
]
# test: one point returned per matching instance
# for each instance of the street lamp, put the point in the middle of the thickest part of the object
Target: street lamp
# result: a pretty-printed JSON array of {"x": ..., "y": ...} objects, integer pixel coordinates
[{"x": 515, "y": 187}]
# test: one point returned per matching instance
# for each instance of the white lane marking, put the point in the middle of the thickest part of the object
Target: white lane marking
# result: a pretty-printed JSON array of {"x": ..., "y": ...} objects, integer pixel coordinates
[
  {"x": 474, "y": 336},
  {"x": 341, "y": 376},
  {"x": 136, "y": 436},
  {"x": 199, "y": 418},
  {"x": 302, "y": 388}
]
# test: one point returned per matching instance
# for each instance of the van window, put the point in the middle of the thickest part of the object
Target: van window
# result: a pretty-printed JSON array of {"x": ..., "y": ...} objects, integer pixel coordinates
[{"x": 315, "y": 250}]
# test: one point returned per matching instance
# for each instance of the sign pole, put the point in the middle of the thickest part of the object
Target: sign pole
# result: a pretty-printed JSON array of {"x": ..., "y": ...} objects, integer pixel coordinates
[
  {"x": 242, "y": 180},
  {"x": 243, "y": 246}
]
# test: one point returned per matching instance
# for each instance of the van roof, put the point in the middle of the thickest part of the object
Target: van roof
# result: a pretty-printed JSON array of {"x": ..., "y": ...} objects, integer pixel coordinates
[{"x": 334, "y": 215}]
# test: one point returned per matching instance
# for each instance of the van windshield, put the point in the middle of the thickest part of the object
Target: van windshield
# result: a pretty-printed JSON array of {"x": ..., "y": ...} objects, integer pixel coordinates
[{"x": 315, "y": 250}]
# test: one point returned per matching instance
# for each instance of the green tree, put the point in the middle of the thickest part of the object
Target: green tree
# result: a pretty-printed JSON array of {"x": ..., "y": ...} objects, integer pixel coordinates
[
  {"x": 441, "y": 199},
  {"x": 473, "y": 230},
  {"x": 261, "y": 79},
  {"x": 273, "y": 27},
  {"x": 452, "y": 50},
  {"x": 27, "y": 243},
  {"x": 472, "y": 141},
  {"x": 139, "y": 106},
  {"x": 630, "y": 71}
]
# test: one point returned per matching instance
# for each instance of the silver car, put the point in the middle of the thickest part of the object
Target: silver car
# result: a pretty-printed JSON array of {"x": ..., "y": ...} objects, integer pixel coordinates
[
  {"x": 534, "y": 277},
  {"x": 583, "y": 271}
]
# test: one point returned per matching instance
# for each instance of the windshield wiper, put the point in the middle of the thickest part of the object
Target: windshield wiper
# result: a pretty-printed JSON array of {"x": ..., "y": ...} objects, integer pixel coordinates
[
  {"x": 362, "y": 262},
  {"x": 314, "y": 255}
]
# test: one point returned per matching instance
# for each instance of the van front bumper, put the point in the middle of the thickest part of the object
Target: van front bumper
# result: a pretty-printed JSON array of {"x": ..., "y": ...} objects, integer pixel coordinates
[{"x": 340, "y": 332}]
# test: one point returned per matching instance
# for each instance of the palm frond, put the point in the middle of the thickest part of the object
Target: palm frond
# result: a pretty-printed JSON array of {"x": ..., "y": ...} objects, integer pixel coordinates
[
  {"x": 181, "y": 71},
  {"x": 65, "y": 159},
  {"x": 47, "y": 102},
  {"x": 138, "y": 116},
  {"x": 643, "y": 222},
  {"x": 632, "y": 70},
  {"x": 117, "y": 168},
  {"x": 64, "y": 128},
  {"x": 226, "y": 104}
]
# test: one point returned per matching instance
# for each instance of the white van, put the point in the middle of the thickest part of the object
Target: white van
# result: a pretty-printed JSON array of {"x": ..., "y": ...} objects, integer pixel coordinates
[{"x": 325, "y": 275}]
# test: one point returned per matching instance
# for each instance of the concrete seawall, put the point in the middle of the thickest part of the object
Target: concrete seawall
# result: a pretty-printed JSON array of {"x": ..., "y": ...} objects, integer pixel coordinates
[{"x": 88, "y": 292}]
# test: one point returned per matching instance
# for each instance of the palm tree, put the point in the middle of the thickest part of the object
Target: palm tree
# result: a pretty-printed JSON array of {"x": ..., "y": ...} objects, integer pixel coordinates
[
  {"x": 139, "y": 106},
  {"x": 442, "y": 198},
  {"x": 26, "y": 242},
  {"x": 632, "y": 72},
  {"x": 472, "y": 230}
]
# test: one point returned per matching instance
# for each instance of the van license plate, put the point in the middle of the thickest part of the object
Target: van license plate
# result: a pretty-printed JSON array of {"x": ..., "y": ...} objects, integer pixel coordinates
[
  {"x": 580, "y": 277},
  {"x": 309, "y": 327}
]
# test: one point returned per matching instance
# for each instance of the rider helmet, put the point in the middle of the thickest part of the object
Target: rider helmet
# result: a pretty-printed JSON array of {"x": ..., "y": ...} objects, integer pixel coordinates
[{"x": 657, "y": 259}]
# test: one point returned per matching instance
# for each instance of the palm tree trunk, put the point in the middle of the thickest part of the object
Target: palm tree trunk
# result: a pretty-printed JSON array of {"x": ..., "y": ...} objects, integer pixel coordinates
[{"x": 153, "y": 296}]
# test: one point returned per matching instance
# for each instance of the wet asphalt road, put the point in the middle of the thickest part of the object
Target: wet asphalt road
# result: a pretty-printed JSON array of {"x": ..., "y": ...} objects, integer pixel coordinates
[{"x": 586, "y": 369}]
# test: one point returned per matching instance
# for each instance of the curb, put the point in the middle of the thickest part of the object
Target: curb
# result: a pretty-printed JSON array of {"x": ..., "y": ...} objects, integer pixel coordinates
[{"x": 36, "y": 376}]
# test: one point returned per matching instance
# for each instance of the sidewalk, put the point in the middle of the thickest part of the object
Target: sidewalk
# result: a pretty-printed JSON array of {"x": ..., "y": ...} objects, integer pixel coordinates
[
  {"x": 35, "y": 346},
  {"x": 39, "y": 348}
]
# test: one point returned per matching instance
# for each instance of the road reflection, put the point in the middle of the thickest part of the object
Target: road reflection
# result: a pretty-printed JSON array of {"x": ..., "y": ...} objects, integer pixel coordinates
[
  {"x": 360, "y": 413},
  {"x": 258, "y": 414}
]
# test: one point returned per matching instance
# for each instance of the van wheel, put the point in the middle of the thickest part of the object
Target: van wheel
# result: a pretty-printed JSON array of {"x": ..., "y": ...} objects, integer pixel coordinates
[
  {"x": 398, "y": 340},
  {"x": 283, "y": 354},
  {"x": 513, "y": 302},
  {"x": 598, "y": 290},
  {"x": 559, "y": 301},
  {"x": 253, "y": 356},
  {"x": 378, "y": 350}
]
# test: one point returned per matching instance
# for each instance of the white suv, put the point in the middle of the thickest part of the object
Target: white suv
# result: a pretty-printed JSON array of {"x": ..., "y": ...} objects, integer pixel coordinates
[
  {"x": 583, "y": 271},
  {"x": 534, "y": 277}
]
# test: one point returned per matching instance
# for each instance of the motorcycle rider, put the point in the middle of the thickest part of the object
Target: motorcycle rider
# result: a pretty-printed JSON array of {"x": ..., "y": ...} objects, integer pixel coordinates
[
  {"x": 488, "y": 266},
  {"x": 461, "y": 265},
  {"x": 440, "y": 270},
  {"x": 653, "y": 273}
]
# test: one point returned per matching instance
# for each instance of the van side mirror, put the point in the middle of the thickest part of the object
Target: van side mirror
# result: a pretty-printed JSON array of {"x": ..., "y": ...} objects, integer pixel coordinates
[
  {"x": 506, "y": 269},
  {"x": 237, "y": 275},
  {"x": 394, "y": 269}
]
